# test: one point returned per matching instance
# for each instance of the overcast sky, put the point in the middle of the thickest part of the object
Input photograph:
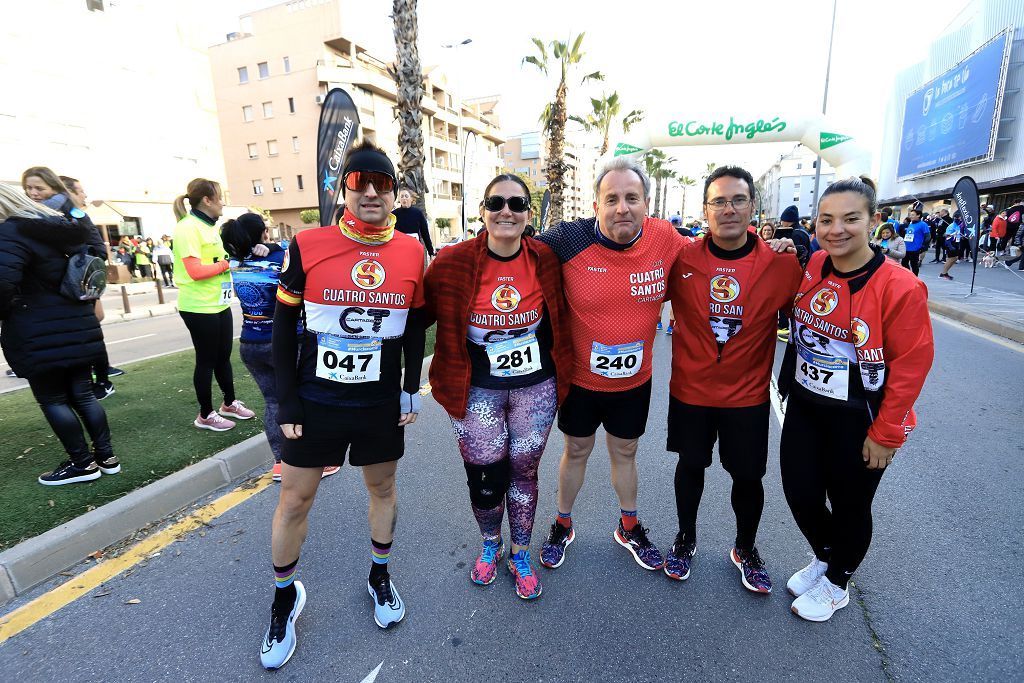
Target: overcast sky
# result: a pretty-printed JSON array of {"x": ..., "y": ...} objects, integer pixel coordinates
[{"x": 669, "y": 55}]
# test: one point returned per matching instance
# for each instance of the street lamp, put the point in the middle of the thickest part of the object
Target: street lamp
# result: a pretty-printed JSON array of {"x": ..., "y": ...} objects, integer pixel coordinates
[{"x": 458, "y": 140}]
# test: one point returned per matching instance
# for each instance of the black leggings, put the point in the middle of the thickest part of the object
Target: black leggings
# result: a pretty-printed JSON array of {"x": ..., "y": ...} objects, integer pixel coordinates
[
  {"x": 821, "y": 457},
  {"x": 65, "y": 395},
  {"x": 211, "y": 336},
  {"x": 912, "y": 261}
]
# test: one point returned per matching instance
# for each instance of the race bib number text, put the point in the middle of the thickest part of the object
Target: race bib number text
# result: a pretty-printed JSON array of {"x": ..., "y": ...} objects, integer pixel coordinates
[
  {"x": 514, "y": 357},
  {"x": 824, "y": 375},
  {"x": 623, "y": 360},
  {"x": 347, "y": 360}
]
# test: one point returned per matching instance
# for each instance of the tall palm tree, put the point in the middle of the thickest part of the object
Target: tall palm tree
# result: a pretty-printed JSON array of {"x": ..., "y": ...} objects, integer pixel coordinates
[
  {"x": 408, "y": 77},
  {"x": 657, "y": 164},
  {"x": 711, "y": 166},
  {"x": 604, "y": 111},
  {"x": 686, "y": 181},
  {"x": 565, "y": 55}
]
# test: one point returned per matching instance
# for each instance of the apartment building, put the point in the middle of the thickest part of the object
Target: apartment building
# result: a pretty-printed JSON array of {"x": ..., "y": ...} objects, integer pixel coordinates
[
  {"x": 790, "y": 181},
  {"x": 269, "y": 80},
  {"x": 526, "y": 155}
]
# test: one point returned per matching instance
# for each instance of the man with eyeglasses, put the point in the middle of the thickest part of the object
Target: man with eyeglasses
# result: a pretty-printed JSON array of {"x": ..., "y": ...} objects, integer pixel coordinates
[
  {"x": 727, "y": 292},
  {"x": 614, "y": 271},
  {"x": 360, "y": 284}
]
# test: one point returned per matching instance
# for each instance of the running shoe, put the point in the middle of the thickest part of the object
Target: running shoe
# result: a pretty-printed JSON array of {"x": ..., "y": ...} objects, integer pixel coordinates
[
  {"x": 108, "y": 464},
  {"x": 214, "y": 422},
  {"x": 752, "y": 571},
  {"x": 275, "y": 472},
  {"x": 70, "y": 473},
  {"x": 279, "y": 643},
  {"x": 329, "y": 470},
  {"x": 668, "y": 330},
  {"x": 388, "y": 607},
  {"x": 527, "y": 582},
  {"x": 486, "y": 568},
  {"x": 945, "y": 276},
  {"x": 102, "y": 390},
  {"x": 804, "y": 580},
  {"x": 677, "y": 564},
  {"x": 114, "y": 372},
  {"x": 236, "y": 410},
  {"x": 658, "y": 328},
  {"x": 552, "y": 553},
  {"x": 821, "y": 601},
  {"x": 643, "y": 551},
  {"x": 10, "y": 373}
]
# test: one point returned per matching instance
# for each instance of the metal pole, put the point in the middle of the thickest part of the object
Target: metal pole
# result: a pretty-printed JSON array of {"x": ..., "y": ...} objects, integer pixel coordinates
[
  {"x": 824, "y": 101},
  {"x": 458, "y": 141}
]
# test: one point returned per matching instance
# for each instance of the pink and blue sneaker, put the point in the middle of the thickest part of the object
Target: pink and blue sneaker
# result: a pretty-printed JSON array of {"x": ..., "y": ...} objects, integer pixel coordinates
[
  {"x": 527, "y": 582},
  {"x": 486, "y": 568}
]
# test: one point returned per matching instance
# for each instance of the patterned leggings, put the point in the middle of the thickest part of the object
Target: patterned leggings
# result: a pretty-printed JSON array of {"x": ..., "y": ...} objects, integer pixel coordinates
[{"x": 511, "y": 424}]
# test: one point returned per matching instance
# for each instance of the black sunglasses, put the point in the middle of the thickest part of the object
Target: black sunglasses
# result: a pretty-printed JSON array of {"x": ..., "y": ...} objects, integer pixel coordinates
[{"x": 496, "y": 203}]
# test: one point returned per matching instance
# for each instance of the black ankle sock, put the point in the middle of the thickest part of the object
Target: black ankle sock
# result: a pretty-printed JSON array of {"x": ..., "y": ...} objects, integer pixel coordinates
[
  {"x": 378, "y": 570},
  {"x": 286, "y": 595}
]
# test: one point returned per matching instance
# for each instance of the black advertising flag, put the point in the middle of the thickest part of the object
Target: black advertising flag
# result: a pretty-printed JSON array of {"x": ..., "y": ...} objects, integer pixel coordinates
[
  {"x": 545, "y": 205},
  {"x": 965, "y": 196},
  {"x": 339, "y": 126}
]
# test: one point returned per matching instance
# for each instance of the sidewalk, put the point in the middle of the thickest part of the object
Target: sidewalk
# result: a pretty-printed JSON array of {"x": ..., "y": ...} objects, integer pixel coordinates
[
  {"x": 143, "y": 301},
  {"x": 996, "y": 306}
]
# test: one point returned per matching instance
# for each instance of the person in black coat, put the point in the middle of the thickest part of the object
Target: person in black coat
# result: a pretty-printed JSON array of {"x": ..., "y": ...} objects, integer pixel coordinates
[
  {"x": 49, "y": 339},
  {"x": 411, "y": 221}
]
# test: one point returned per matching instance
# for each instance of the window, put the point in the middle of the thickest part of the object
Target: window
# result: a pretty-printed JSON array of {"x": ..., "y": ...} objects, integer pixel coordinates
[
  {"x": 277, "y": 185},
  {"x": 264, "y": 70},
  {"x": 295, "y": 144},
  {"x": 799, "y": 166},
  {"x": 253, "y": 150},
  {"x": 298, "y": 181},
  {"x": 247, "y": 113},
  {"x": 257, "y": 187},
  {"x": 243, "y": 74},
  {"x": 796, "y": 185},
  {"x": 796, "y": 198},
  {"x": 272, "y": 148},
  {"x": 287, "y": 66},
  {"x": 291, "y": 105},
  {"x": 268, "y": 110}
]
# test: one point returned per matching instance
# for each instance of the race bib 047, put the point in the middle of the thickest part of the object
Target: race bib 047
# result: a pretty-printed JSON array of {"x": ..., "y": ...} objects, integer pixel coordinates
[{"x": 350, "y": 361}]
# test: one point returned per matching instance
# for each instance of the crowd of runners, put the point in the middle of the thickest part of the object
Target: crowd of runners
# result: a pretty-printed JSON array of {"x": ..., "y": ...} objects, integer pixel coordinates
[{"x": 533, "y": 332}]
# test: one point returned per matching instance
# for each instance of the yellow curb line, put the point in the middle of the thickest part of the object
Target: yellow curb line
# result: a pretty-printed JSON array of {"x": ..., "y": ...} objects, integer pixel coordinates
[{"x": 48, "y": 603}]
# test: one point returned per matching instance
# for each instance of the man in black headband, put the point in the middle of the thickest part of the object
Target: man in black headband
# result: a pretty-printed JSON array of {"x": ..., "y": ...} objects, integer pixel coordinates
[{"x": 362, "y": 292}]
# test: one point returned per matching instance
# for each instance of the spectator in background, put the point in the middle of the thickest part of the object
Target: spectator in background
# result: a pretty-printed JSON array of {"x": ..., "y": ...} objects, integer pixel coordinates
[
  {"x": 165, "y": 260},
  {"x": 937, "y": 224},
  {"x": 955, "y": 236},
  {"x": 789, "y": 228},
  {"x": 889, "y": 243},
  {"x": 767, "y": 231},
  {"x": 143, "y": 258},
  {"x": 1014, "y": 215},
  {"x": 410, "y": 220},
  {"x": 914, "y": 238},
  {"x": 998, "y": 232}
]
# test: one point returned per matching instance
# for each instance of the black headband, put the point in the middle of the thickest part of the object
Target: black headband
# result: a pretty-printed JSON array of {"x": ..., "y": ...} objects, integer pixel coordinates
[{"x": 368, "y": 160}]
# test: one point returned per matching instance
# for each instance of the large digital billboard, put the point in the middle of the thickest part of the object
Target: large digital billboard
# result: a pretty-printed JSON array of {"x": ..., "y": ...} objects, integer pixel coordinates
[{"x": 952, "y": 120}]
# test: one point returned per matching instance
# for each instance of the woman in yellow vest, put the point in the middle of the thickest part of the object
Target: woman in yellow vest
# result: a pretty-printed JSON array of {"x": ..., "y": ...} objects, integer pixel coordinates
[{"x": 204, "y": 302}]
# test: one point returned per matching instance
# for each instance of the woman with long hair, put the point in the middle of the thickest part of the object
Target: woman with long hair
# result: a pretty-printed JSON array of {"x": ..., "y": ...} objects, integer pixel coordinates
[
  {"x": 501, "y": 366},
  {"x": 889, "y": 243},
  {"x": 204, "y": 302},
  {"x": 861, "y": 349},
  {"x": 49, "y": 338}
]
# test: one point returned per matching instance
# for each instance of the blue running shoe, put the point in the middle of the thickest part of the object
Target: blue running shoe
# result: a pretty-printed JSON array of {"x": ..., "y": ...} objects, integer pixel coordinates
[
  {"x": 552, "y": 553},
  {"x": 485, "y": 570},
  {"x": 279, "y": 643},
  {"x": 527, "y": 582},
  {"x": 752, "y": 571},
  {"x": 388, "y": 607},
  {"x": 677, "y": 564},
  {"x": 668, "y": 330},
  {"x": 658, "y": 328}
]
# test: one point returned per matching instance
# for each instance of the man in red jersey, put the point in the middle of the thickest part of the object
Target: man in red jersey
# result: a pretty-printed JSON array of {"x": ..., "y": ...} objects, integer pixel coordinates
[
  {"x": 614, "y": 269},
  {"x": 360, "y": 284},
  {"x": 727, "y": 292}
]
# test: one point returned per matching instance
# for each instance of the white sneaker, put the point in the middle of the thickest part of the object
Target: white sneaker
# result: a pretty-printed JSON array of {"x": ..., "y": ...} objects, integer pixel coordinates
[
  {"x": 821, "y": 601},
  {"x": 804, "y": 580}
]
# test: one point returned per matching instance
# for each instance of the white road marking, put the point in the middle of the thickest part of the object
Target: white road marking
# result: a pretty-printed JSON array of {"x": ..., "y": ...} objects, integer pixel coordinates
[
  {"x": 372, "y": 676},
  {"x": 987, "y": 336},
  {"x": 121, "y": 341}
]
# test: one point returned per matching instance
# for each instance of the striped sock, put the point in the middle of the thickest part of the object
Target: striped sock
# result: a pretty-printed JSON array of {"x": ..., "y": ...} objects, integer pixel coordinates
[
  {"x": 565, "y": 519},
  {"x": 380, "y": 554},
  {"x": 284, "y": 579},
  {"x": 628, "y": 519}
]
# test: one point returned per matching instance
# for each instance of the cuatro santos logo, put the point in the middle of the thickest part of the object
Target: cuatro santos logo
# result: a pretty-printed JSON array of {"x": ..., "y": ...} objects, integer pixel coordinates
[
  {"x": 724, "y": 288},
  {"x": 825, "y": 301},
  {"x": 861, "y": 332},
  {"x": 506, "y": 298},
  {"x": 368, "y": 274}
]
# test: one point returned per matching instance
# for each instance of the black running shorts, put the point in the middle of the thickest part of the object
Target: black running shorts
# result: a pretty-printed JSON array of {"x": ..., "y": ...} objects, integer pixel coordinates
[
  {"x": 368, "y": 435},
  {"x": 742, "y": 435},
  {"x": 623, "y": 413}
]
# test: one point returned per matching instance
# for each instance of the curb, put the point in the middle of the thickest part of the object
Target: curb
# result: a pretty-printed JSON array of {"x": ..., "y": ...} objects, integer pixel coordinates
[
  {"x": 982, "y": 322},
  {"x": 39, "y": 559}
]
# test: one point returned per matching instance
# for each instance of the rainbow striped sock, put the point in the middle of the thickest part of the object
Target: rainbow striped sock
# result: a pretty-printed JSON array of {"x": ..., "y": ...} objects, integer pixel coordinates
[
  {"x": 284, "y": 578},
  {"x": 380, "y": 553}
]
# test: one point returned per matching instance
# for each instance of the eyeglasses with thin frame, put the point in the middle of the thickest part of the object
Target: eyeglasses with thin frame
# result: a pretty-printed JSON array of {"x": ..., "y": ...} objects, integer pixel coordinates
[
  {"x": 496, "y": 203},
  {"x": 358, "y": 180},
  {"x": 738, "y": 203}
]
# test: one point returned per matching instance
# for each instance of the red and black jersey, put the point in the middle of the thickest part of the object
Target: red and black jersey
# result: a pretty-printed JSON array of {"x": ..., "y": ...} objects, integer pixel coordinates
[
  {"x": 862, "y": 339},
  {"x": 509, "y": 304},
  {"x": 726, "y": 308},
  {"x": 614, "y": 294},
  {"x": 357, "y": 299}
]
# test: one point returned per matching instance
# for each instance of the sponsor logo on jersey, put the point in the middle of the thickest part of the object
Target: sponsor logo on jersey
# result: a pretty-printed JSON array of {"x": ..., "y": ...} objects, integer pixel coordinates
[
  {"x": 368, "y": 274},
  {"x": 825, "y": 301},
  {"x": 724, "y": 288},
  {"x": 861, "y": 332},
  {"x": 506, "y": 298}
]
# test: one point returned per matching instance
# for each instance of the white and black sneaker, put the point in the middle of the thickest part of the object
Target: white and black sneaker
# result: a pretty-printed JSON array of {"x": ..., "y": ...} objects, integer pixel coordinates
[
  {"x": 279, "y": 642},
  {"x": 70, "y": 473},
  {"x": 388, "y": 607},
  {"x": 103, "y": 390},
  {"x": 108, "y": 464}
]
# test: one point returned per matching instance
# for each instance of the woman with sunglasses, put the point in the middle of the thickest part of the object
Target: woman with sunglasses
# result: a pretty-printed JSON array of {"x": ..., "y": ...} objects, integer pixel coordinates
[{"x": 501, "y": 367}]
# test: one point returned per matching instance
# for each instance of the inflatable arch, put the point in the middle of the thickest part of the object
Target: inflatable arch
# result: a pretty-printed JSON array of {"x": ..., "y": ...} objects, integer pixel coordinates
[{"x": 841, "y": 151}]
